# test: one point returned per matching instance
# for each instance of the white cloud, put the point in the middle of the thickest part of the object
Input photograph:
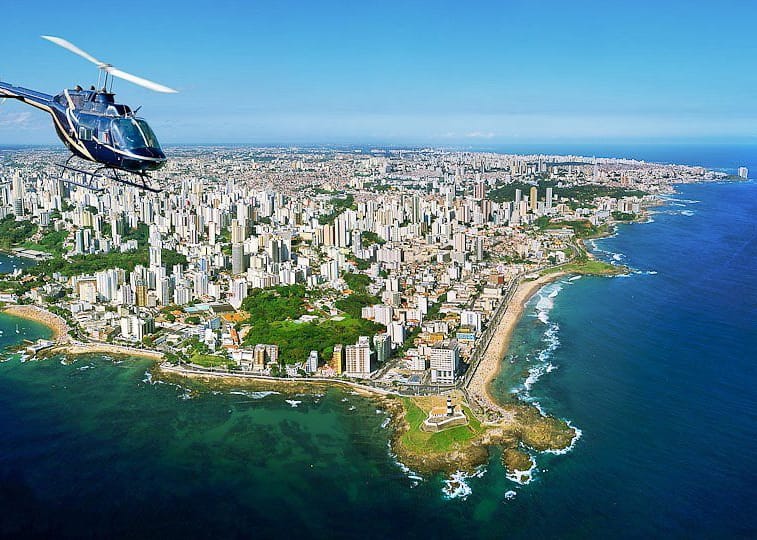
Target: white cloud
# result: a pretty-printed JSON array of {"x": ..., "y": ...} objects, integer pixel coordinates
[
  {"x": 481, "y": 135},
  {"x": 16, "y": 119}
]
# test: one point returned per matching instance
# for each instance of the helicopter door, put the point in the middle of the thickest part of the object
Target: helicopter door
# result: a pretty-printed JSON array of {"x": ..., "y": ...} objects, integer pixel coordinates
[{"x": 104, "y": 131}]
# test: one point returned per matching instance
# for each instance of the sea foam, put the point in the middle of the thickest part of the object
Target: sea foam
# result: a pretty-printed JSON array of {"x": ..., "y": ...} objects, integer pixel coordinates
[
  {"x": 572, "y": 442},
  {"x": 534, "y": 374},
  {"x": 523, "y": 477},
  {"x": 456, "y": 487},
  {"x": 253, "y": 395},
  {"x": 411, "y": 474},
  {"x": 545, "y": 301}
]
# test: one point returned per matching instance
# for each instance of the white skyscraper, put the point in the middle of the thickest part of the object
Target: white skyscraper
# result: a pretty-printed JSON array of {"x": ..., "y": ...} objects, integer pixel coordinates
[
  {"x": 358, "y": 358},
  {"x": 311, "y": 366},
  {"x": 156, "y": 247},
  {"x": 445, "y": 360}
]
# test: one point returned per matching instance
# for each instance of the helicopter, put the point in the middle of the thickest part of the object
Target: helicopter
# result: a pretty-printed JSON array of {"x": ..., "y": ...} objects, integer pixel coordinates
[{"x": 95, "y": 128}]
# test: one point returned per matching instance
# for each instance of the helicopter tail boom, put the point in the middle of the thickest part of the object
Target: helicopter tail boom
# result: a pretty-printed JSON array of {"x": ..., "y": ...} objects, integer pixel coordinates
[{"x": 31, "y": 97}]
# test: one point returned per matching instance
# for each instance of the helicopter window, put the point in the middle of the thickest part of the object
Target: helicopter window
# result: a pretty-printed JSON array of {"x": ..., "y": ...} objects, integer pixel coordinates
[
  {"x": 133, "y": 133},
  {"x": 85, "y": 134},
  {"x": 103, "y": 127},
  {"x": 152, "y": 140}
]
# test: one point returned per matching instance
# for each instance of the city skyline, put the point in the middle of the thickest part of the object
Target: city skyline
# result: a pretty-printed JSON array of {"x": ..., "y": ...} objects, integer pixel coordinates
[{"x": 443, "y": 75}]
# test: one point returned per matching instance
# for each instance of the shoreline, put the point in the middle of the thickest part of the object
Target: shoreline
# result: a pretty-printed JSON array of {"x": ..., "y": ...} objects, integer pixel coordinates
[
  {"x": 54, "y": 322},
  {"x": 490, "y": 364},
  {"x": 80, "y": 348},
  {"x": 165, "y": 368}
]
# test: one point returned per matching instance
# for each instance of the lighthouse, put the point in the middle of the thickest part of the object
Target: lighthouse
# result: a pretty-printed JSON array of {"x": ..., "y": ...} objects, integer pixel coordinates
[{"x": 450, "y": 408}]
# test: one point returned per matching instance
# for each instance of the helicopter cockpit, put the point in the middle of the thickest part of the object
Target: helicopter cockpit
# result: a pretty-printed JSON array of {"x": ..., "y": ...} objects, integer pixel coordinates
[
  {"x": 132, "y": 134},
  {"x": 121, "y": 133}
]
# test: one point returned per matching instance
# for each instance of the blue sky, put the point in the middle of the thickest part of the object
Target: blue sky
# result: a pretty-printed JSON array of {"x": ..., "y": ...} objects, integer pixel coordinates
[{"x": 432, "y": 72}]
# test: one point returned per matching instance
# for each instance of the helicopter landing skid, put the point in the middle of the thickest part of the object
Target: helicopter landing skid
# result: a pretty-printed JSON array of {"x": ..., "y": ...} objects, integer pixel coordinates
[{"x": 90, "y": 180}]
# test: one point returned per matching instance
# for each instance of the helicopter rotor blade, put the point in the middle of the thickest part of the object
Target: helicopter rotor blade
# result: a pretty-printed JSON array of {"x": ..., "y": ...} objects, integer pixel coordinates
[
  {"x": 139, "y": 81},
  {"x": 108, "y": 68},
  {"x": 74, "y": 49}
]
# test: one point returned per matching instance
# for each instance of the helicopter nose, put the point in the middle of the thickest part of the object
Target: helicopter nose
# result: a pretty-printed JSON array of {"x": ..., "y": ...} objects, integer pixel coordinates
[
  {"x": 154, "y": 158},
  {"x": 150, "y": 153}
]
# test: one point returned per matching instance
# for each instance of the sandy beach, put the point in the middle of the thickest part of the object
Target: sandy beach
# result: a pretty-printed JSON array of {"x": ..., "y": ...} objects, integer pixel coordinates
[
  {"x": 56, "y": 323},
  {"x": 106, "y": 348},
  {"x": 491, "y": 361}
]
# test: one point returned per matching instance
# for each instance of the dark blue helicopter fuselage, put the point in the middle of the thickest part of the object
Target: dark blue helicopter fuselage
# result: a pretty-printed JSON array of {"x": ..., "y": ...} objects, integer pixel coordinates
[{"x": 96, "y": 128}]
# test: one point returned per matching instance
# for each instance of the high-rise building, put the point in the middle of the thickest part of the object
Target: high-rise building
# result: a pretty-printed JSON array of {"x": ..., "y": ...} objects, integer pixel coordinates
[
  {"x": 156, "y": 247},
  {"x": 479, "y": 190},
  {"x": 532, "y": 197},
  {"x": 156, "y": 256},
  {"x": 445, "y": 361},
  {"x": 383, "y": 314},
  {"x": 358, "y": 358},
  {"x": 383, "y": 345},
  {"x": 238, "y": 231},
  {"x": 743, "y": 172},
  {"x": 480, "y": 248},
  {"x": 470, "y": 318},
  {"x": 182, "y": 295},
  {"x": 164, "y": 290},
  {"x": 237, "y": 292},
  {"x": 337, "y": 358},
  {"x": 201, "y": 284},
  {"x": 311, "y": 366},
  {"x": 79, "y": 241},
  {"x": 108, "y": 282},
  {"x": 459, "y": 242},
  {"x": 141, "y": 293},
  {"x": 238, "y": 262},
  {"x": 259, "y": 356},
  {"x": 549, "y": 198},
  {"x": 272, "y": 353}
]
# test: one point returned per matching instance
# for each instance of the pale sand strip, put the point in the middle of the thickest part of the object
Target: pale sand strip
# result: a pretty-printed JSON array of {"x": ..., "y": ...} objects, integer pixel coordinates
[
  {"x": 491, "y": 360},
  {"x": 35, "y": 313},
  {"x": 64, "y": 342},
  {"x": 106, "y": 348}
]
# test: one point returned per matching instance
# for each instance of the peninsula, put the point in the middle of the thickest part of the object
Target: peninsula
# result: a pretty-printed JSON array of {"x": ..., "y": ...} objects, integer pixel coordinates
[{"x": 399, "y": 274}]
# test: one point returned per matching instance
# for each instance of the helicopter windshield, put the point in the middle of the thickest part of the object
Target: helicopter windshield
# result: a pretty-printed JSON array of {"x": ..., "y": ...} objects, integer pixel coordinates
[{"x": 132, "y": 133}]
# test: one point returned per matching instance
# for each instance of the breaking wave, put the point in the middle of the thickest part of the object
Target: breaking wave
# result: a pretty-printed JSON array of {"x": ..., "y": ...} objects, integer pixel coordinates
[
  {"x": 545, "y": 301},
  {"x": 253, "y": 395},
  {"x": 523, "y": 477},
  {"x": 456, "y": 487},
  {"x": 572, "y": 442},
  {"x": 411, "y": 474}
]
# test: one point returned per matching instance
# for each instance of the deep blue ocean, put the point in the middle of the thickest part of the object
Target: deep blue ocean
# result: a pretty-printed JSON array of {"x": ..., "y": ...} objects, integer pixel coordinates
[{"x": 657, "y": 369}]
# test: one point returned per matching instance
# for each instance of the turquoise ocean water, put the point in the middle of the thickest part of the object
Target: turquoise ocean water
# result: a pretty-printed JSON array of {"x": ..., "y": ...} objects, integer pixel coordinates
[{"x": 657, "y": 369}]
